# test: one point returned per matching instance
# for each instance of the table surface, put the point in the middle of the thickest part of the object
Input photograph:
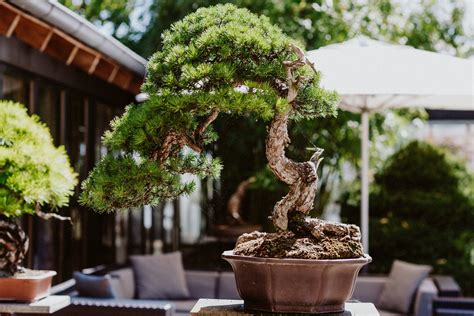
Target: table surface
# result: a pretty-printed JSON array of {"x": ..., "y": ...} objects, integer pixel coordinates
[
  {"x": 47, "y": 305},
  {"x": 208, "y": 307}
]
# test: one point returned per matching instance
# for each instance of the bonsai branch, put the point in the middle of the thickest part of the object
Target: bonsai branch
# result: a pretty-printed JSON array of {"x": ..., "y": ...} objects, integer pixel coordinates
[
  {"x": 48, "y": 216},
  {"x": 235, "y": 201},
  {"x": 174, "y": 140}
]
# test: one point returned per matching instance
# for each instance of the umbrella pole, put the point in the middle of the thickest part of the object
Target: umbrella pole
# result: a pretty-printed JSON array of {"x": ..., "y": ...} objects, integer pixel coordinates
[{"x": 364, "y": 209}]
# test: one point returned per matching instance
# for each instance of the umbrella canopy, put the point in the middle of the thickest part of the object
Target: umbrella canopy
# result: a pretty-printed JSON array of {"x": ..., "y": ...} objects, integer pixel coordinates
[{"x": 371, "y": 75}]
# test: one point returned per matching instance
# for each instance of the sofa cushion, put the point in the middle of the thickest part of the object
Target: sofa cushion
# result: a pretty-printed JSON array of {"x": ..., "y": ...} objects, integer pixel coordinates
[
  {"x": 125, "y": 287},
  {"x": 227, "y": 288},
  {"x": 388, "y": 313},
  {"x": 94, "y": 286},
  {"x": 160, "y": 276},
  {"x": 399, "y": 290},
  {"x": 184, "y": 306},
  {"x": 368, "y": 288},
  {"x": 202, "y": 284}
]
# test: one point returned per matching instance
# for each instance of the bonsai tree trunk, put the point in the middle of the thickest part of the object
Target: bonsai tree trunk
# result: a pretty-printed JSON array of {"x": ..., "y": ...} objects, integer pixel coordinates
[
  {"x": 13, "y": 246},
  {"x": 298, "y": 235},
  {"x": 301, "y": 177}
]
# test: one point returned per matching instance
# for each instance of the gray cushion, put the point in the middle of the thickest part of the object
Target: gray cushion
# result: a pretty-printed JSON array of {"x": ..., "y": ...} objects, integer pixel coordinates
[
  {"x": 227, "y": 287},
  {"x": 125, "y": 285},
  {"x": 184, "y": 306},
  {"x": 202, "y": 284},
  {"x": 94, "y": 286},
  {"x": 401, "y": 286},
  {"x": 388, "y": 313},
  {"x": 160, "y": 276},
  {"x": 368, "y": 288}
]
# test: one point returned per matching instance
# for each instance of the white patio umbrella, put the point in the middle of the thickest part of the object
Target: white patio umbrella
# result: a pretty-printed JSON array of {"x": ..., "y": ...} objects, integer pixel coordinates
[{"x": 371, "y": 75}]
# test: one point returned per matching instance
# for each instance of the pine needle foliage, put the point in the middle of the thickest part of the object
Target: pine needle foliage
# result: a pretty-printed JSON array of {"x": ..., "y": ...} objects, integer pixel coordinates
[
  {"x": 217, "y": 60},
  {"x": 32, "y": 170}
]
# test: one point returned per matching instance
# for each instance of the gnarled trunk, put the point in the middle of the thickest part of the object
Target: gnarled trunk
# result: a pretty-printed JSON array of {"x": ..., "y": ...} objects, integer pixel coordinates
[
  {"x": 302, "y": 177},
  {"x": 13, "y": 246}
]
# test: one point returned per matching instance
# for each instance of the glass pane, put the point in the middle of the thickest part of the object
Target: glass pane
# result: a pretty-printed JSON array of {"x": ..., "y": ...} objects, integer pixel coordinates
[
  {"x": 75, "y": 132},
  {"x": 48, "y": 107},
  {"x": 15, "y": 88},
  {"x": 104, "y": 113}
]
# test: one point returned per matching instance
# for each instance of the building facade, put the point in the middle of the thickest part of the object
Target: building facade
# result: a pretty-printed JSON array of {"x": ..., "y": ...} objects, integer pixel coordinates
[{"x": 77, "y": 80}]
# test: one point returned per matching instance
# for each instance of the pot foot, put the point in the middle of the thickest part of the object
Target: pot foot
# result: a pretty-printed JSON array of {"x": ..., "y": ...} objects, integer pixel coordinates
[{"x": 280, "y": 308}]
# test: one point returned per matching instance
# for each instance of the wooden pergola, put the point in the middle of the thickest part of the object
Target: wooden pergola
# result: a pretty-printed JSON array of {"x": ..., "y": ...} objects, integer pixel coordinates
[{"x": 59, "y": 45}]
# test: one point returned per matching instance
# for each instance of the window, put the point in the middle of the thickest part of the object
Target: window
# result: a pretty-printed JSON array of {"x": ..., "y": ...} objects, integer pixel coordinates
[{"x": 14, "y": 88}]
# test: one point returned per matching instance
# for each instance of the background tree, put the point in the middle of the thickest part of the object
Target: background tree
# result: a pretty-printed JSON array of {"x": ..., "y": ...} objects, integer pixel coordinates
[
  {"x": 427, "y": 24},
  {"x": 112, "y": 15},
  {"x": 33, "y": 173},
  {"x": 422, "y": 209}
]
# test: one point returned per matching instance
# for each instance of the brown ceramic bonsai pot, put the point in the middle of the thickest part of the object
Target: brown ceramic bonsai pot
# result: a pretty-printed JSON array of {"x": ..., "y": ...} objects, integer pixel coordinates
[
  {"x": 26, "y": 287},
  {"x": 295, "y": 285}
]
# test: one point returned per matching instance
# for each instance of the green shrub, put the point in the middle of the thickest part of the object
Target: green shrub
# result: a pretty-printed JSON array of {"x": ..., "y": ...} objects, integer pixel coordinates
[
  {"x": 32, "y": 170},
  {"x": 422, "y": 210}
]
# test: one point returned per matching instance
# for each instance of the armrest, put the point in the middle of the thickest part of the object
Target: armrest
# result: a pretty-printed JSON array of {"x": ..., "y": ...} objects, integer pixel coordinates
[
  {"x": 453, "y": 306},
  {"x": 64, "y": 288},
  {"x": 425, "y": 294},
  {"x": 368, "y": 288},
  {"x": 447, "y": 286}
]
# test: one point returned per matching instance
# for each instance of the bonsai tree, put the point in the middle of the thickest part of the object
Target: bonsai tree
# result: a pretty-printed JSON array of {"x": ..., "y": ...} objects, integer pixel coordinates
[
  {"x": 33, "y": 173},
  {"x": 220, "y": 60}
]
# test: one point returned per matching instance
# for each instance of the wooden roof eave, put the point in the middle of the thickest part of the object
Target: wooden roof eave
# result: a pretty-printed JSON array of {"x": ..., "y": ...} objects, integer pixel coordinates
[{"x": 60, "y": 45}]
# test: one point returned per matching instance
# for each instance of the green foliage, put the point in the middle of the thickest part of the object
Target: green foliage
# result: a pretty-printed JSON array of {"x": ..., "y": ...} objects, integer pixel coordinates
[
  {"x": 32, "y": 170},
  {"x": 115, "y": 14},
  {"x": 422, "y": 210},
  {"x": 218, "y": 59}
]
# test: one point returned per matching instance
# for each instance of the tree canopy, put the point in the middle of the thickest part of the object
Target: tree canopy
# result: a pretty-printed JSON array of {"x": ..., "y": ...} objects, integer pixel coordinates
[
  {"x": 33, "y": 172},
  {"x": 220, "y": 59}
]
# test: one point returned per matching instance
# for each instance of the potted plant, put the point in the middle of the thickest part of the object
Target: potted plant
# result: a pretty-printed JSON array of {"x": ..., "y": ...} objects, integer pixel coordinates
[
  {"x": 223, "y": 60},
  {"x": 33, "y": 173}
]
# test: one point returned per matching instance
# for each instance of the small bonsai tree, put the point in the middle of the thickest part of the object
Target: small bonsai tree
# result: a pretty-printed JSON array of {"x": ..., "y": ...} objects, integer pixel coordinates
[
  {"x": 33, "y": 173},
  {"x": 218, "y": 60}
]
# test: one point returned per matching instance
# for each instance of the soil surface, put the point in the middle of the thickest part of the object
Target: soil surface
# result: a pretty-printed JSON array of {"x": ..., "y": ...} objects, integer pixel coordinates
[{"x": 308, "y": 238}]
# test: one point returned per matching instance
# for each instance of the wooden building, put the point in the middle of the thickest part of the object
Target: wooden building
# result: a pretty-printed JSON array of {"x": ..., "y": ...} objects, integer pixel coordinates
[{"x": 76, "y": 79}]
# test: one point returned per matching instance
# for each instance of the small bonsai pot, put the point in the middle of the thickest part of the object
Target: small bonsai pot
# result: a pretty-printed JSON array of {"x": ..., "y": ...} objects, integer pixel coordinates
[
  {"x": 26, "y": 287},
  {"x": 295, "y": 285}
]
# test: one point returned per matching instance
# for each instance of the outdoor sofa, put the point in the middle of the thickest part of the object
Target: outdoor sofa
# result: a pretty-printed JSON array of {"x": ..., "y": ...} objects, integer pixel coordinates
[{"x": 212, "y": 284}]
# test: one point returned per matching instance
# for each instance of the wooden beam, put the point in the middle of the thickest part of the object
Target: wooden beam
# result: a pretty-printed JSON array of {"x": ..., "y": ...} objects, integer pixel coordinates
[
  {"x": 46, "y": 40},
  {"x": 12, "y": 27},
  {"x": 72, "y": 55},
  {"x": 68, "y": 56},
  {"x": 113, "y": 74},
  {"x": 94, "y": 64}
]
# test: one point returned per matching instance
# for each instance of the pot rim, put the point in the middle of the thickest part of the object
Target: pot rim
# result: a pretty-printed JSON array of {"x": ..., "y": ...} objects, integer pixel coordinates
[
  {"x": 44, "y": 275},
  {"x": 229, "y": 254}
]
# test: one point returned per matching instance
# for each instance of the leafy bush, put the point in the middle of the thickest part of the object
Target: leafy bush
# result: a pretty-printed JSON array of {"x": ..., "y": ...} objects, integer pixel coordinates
[
  {"x": 32, "y": 170},
  {"x": 422, "y": 210}
]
